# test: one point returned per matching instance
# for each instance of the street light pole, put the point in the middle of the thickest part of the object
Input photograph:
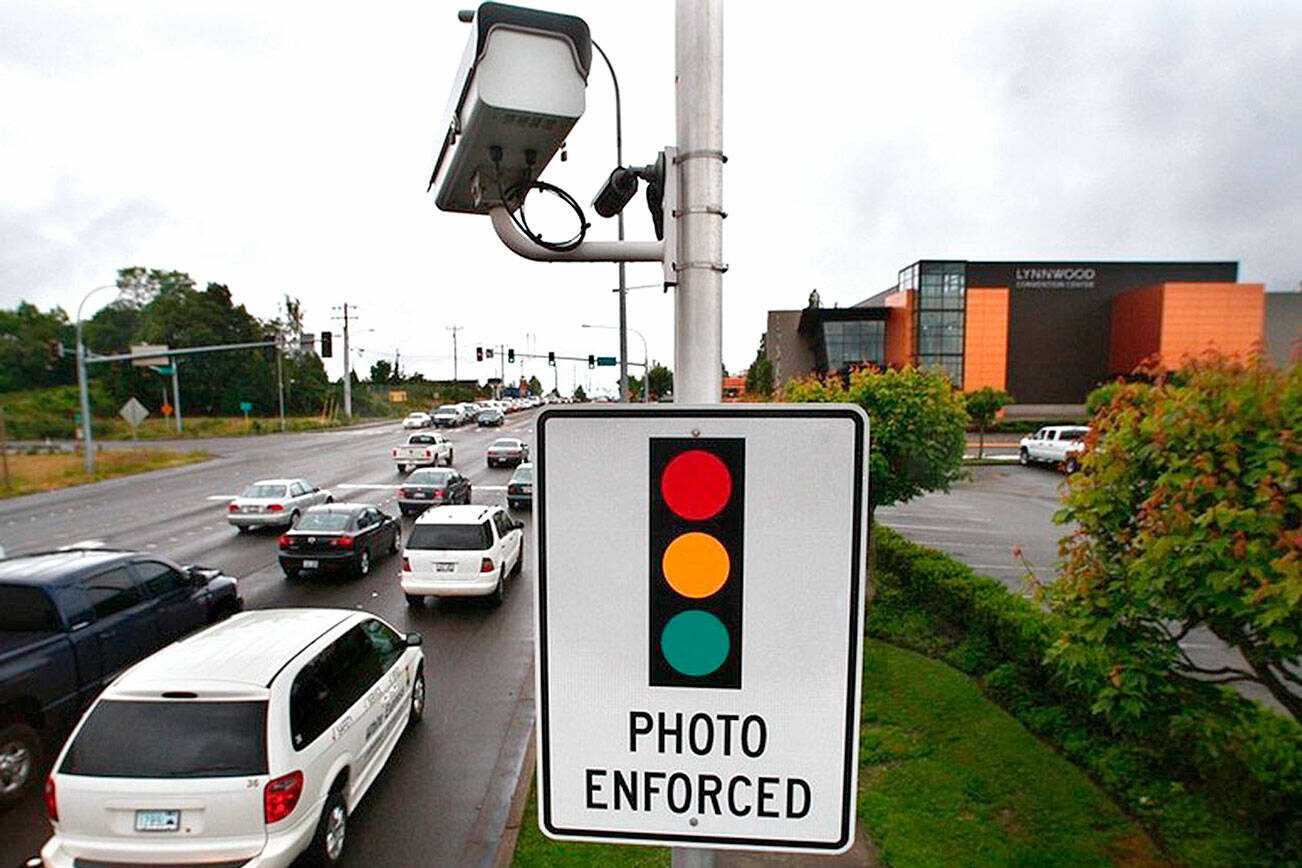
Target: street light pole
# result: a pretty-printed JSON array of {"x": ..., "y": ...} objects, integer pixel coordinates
[
  {"x": 623, "y": 290},
  {"x": 87, "y": 438}
]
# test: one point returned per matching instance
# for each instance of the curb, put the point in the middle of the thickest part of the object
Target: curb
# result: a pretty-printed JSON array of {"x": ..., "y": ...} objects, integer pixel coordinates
[{"x": 514, "y": 817}]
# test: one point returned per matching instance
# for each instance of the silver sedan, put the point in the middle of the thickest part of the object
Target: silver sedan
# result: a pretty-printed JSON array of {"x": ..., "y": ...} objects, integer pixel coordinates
[{"x": 274, "y": 502}]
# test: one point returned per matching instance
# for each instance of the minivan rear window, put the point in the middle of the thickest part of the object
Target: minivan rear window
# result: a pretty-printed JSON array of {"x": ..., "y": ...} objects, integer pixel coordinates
[
  {"x": 450, "y": 537},
  {"x": 176, "y": 739}
]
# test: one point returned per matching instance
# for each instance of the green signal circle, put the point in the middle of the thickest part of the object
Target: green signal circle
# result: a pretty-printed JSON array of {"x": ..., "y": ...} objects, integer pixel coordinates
[{"x": 695, "y": 643}]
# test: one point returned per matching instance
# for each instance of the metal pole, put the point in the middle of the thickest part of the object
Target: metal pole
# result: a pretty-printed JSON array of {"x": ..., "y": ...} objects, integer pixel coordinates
[
  {"x": 87, "y": 437},
  {"x": 698, "y": 309},
  {"x": 623, "y": 289},
  {"x": 348, "y": 380},
  {"x": 176, "y": 393},
  {"x": 4, "y": 446},
  {"x": 280, "y": 383}
]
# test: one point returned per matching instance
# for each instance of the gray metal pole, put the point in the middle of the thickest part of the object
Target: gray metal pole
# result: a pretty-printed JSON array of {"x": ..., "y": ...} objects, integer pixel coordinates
[
  {"x": 176, "y": 393},
  {"x": 87, "y": 440},
  {"x": 623, "y": 290},
  {"x": 698, "y": 311},
  {"x": 280, "y": 383},
  {"x": 698, "y": 308},
  {"x": 348, "y": 379}
]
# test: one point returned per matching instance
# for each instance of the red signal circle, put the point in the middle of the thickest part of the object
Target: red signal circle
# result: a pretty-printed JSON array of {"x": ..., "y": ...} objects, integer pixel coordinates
[{"x": 696, "y": 484}]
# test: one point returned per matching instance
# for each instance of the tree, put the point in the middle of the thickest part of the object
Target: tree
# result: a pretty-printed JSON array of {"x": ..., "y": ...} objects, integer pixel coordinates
[
  {"x": 759, "y": 377},
  {"x": 1188, "y": 517},
  {"x": 535, "y": 387},
  {"x": 983, "y": 406},
  {"x": 579, "y": 394},
  {"x": 29, "y": 341},
  {"x": 659, "y": 381},
  {"x": 381, "y": 371},
  {"x": 917, "y": 422}
]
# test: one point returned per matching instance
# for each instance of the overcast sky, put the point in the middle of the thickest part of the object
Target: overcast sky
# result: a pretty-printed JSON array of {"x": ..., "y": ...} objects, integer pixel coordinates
[{"x": 283, "y": 147}]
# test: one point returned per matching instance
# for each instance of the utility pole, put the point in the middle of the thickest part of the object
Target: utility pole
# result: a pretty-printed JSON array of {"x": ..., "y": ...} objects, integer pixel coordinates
[
  {"x": 454, "y": 329},
  {"x": 280, "y": 382},
  {"x": 348, "y": 378},
  {"x": 176, "y": 392}
]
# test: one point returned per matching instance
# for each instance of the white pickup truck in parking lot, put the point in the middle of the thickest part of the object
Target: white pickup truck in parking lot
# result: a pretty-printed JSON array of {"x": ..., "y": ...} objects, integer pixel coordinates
[
  {"x": 1059, "y": 445},
  {"x": 423, "y": 450}
]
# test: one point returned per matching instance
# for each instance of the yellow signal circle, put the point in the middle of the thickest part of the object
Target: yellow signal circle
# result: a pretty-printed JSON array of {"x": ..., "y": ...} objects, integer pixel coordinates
[{"x": 696, "y": 565}]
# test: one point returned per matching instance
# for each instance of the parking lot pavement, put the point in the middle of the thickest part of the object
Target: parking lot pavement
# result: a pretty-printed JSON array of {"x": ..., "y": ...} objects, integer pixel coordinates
[{"x": 984, "y": 521}]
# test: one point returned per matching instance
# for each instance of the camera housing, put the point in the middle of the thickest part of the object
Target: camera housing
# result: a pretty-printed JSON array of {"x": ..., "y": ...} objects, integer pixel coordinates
[{"x": 518, "y": 92}]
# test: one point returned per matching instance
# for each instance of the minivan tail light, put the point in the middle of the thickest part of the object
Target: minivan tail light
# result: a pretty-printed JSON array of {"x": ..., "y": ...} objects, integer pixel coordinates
[
  {"x": 51, "y": 802},
  {"x": 280, "y": 796},
  {"x": 486, "y": 565},
  {"x": 406, "y": 564}
]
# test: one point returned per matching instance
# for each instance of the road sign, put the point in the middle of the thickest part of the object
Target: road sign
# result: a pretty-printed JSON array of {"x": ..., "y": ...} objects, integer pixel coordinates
[
  {"x": 165, "y": 370},
  {"x": 699, "y": 666},
  {"x": 606, "y": 361},
  {"x": 133, "y": 412},
  {"x": 167, "y": 409},
  {"x": 149, "y": 361},
  {"x": 246, "y": 406}
]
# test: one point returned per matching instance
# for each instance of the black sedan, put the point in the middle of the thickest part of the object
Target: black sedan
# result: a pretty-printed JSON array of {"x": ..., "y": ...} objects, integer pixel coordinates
[
  {"x": 346, "y": 537},
  {"x": 490, "y": 418},
  {"x": 432, "y": 487}
]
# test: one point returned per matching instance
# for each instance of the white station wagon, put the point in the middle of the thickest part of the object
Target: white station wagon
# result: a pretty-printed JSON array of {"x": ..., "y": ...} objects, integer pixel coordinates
[
  {"x": 461, "y": 551},
  {"x": 247, "y": 744}
]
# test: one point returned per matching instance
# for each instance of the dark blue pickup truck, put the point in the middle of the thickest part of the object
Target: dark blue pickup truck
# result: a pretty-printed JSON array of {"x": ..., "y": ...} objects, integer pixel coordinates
[{"x": 70, "y": 621}]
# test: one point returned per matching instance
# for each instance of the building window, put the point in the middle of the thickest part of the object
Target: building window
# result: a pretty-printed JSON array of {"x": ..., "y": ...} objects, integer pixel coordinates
[
  {"x": 854, "y": 342},
  {"x": 939, "y": 314}
]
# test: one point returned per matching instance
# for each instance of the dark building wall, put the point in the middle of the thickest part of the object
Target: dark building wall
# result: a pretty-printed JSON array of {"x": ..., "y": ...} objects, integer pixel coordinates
[
  {"x": 788, "y": 350},
  {"x": 1283, "y": 325},
  {"x": 1059, "y": 317}
]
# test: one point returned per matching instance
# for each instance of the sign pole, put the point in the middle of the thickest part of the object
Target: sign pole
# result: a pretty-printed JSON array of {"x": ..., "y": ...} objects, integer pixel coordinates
[
  {"x": 698, "y": 307},
  {"x": 280, "y": 385},
  {"x": 176, "y": 392}
]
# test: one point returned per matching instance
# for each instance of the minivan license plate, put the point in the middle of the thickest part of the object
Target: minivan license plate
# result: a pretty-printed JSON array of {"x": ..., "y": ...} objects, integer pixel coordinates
[
  {"x": 444, "y": 568},
  {"x": 158, "y": 821}
]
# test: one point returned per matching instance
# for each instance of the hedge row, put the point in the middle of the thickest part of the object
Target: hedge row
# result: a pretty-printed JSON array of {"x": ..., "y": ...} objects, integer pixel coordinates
[{"x": 1218, "y": 784}]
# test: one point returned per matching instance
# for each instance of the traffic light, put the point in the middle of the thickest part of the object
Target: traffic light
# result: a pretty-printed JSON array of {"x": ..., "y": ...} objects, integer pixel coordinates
[
  {"x": 479, "y": 354},
  {"x": 592, "y": 360},
  {"x": 696, "y": 514},
  {"x": 488, "y": 353},
  {"x": 327, "y": 344},
  {"x": 510, "y": 357},
  {"x": 551, "y": 359},
  {"x": 655, "y": 195}
]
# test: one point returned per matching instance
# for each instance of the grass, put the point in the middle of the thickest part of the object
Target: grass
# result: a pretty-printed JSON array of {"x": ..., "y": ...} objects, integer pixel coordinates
[
  {"x": 949, "y": 778},
  {"x": 946, "y": 778},
  {"x": 32, "y": 473},
  {"x": 214, "y": 426}
]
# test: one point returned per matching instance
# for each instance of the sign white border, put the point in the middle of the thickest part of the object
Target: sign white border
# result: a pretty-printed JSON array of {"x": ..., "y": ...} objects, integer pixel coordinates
[{"x": 853, "y": 663}]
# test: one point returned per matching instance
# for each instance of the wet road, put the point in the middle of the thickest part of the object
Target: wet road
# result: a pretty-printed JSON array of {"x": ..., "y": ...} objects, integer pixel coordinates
[{"x": 444, "y": 795}]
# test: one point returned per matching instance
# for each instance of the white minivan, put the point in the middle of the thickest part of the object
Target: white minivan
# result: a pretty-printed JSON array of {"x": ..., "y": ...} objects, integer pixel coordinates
[
  {"x": 248, "y": 743},
  {"x": 461, "y": 551}
]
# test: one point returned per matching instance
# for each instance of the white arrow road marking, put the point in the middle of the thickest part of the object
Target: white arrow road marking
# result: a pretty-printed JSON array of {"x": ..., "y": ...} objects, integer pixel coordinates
[
  {"x": 489, "y": 487},
  {"x": 84, "y": 544},
  {"x": 221, "y": 497}
]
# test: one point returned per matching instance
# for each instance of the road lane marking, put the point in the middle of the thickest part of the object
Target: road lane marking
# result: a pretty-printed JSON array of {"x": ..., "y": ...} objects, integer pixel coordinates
[
  {"x": 221, "y": 497},
  {"x": 379, "y": 485}
]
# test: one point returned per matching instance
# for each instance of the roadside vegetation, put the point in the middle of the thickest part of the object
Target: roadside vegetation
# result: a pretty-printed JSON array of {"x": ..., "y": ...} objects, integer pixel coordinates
[{"x": 44, "y": 472}]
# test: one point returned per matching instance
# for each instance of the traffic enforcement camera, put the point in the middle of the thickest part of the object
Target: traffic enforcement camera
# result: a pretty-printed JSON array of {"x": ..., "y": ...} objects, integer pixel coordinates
[
  {"x": 697, "y": 501},
  {"x": 518, "y": 93},
  {"x": 327, "y": 344}
]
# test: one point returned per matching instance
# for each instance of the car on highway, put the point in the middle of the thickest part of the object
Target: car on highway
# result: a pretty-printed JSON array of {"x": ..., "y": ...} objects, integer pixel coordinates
[
  {"x": 70, "y": 621},
  {"x": 507, "y": 451},
  {"x": 250, "y": 743},
  {"x": 448, "y": 416},
  {"x": 461, "y": 551},
  {"x": 340, "y": 537},
  {"x": 274, "y": 503},
  {"x": 423, "y": 450},
  {"x": 490, "y": 417},
  {"x": 417, "y": 420},
  {"x": 432, "y": 486},
  {"x": 519, "y": 491},
  {"x": 1058, "y": 445}
]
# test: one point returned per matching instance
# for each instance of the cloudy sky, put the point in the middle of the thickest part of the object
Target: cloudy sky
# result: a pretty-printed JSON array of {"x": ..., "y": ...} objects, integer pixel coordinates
[{"x": 284, "y": 147}]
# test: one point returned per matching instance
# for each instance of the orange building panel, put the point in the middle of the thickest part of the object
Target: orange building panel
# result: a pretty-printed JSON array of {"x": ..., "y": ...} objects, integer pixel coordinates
[
  {"x": 1196, "y": 316},
  {"x": 1136, "y": 329},
  {"x": 985, "y": 339},
  {"x": 899, "y": 329}
]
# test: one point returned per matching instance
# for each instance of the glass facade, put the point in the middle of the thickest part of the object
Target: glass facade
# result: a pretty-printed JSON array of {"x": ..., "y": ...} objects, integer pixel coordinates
[
  {"x": 854, "y": 342},
  {"x": 940, "y": 308}
]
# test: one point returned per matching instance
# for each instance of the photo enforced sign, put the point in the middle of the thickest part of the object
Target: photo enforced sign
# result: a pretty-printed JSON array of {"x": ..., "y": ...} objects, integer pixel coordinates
[{"x": 700, "y": 607}]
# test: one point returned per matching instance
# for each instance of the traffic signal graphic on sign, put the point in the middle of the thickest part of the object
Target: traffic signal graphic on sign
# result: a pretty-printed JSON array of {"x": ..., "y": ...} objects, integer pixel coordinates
[{"x": 697, "y": 499}]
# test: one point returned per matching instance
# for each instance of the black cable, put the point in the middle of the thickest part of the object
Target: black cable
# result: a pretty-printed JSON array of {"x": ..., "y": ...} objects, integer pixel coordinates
[{"x": 521, "y": 190}]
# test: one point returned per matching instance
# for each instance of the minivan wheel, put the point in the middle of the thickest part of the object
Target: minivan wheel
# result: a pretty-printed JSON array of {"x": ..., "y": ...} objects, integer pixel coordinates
[
  {"x": 498, "y": 593},
  {"x": 20, "y": 757},
  {"x": 1024, "y": 457},
  {"x": 417, "y": 698},
  {"x": 1072, "y": 466},
  {"x": 327, "y": 846}
]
